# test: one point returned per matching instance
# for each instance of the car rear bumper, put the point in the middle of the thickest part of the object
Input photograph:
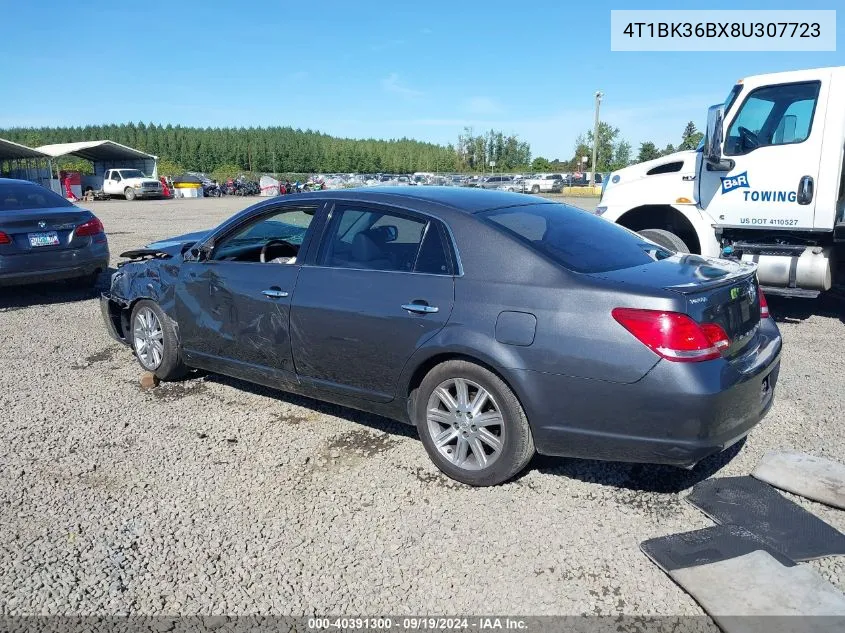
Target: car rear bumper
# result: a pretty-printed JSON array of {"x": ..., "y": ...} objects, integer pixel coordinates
[
  {"x": 678, "y": 414},
  {"x": 53, "y": 265}
]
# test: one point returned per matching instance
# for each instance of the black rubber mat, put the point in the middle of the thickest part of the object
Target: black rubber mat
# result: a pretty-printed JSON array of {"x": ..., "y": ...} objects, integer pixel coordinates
[
  {"x": 783, "y": 525},
  {"x": 702, "y": 547}
]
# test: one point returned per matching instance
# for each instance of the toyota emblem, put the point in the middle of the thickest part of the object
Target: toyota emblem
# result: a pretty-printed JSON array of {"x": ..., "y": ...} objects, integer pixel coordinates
[{"x": 41, "y": 224}]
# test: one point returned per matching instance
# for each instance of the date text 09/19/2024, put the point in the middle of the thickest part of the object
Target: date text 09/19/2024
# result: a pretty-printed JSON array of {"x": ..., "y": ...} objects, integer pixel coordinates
[{"x": 418, "y": 624}]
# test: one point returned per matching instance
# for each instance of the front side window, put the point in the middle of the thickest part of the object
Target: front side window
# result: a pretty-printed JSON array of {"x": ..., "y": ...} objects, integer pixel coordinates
[
  {"x": 576, "y": 239},
  {"x": 374, "y": 239},
  {"x": 274, "y": 238},
  {"x": 773, "y": 115}
]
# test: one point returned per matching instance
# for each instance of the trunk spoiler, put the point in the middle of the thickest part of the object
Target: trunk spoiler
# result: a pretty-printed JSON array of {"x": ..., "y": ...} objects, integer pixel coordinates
[{"x": 710, "y": 277}]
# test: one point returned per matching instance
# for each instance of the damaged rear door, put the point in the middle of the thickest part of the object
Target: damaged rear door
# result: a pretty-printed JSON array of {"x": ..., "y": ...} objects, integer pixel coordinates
[{"x": 233, "y": 309}]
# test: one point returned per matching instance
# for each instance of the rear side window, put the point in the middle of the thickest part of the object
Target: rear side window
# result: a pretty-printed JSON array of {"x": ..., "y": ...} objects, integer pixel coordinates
[
  {"x": 377, "y": 239},
  {"x": 575, "y": 239},
  {"x": 15, "y": 196}
]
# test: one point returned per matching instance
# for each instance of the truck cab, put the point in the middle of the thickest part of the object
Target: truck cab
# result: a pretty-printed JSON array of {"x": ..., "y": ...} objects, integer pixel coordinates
[
  {"x": 131, "y": 184},
  {"x": 765, "y": 185}
]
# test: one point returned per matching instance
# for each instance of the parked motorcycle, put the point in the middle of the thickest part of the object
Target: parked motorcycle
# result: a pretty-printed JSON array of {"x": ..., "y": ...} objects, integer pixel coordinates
[{"x": 211, "y": 189}]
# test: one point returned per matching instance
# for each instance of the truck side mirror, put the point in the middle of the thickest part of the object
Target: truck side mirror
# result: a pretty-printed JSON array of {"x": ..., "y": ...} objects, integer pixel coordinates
[{"x": 713, "y": 138}]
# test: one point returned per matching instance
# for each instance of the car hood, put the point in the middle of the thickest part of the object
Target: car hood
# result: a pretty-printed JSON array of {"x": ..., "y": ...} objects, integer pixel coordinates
[
  {"x": 176, "y": 243},
  {"x": 141, "y": 181}
]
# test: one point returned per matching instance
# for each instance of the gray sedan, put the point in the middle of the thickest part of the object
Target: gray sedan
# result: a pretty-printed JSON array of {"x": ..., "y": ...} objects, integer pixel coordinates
[
  {"x": 499, "y": 325},
  {"x": 43, "y": 237}
]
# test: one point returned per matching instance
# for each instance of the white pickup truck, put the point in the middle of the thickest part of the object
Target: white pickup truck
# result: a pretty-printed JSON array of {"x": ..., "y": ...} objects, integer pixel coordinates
[
  {"x": 131, "y": 184},
  {"x": 543, "y": 183},
  {"x": 767, "y": 184}
]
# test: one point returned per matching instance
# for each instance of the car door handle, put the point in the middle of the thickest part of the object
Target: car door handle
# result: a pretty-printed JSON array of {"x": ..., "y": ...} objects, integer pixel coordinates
[
  {"x": 420, "y": 308},
  {"x": 274, "y": 293}
]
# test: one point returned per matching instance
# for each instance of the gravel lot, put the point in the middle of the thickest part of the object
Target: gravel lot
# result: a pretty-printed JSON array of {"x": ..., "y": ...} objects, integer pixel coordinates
[{"x": 212, "y": 496}]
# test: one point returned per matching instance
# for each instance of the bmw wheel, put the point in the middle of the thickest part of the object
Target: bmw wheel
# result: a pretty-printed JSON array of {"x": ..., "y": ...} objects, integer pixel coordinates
[
  {"x": 154, "y": 339},
  {"x": 472, "y": 425}
]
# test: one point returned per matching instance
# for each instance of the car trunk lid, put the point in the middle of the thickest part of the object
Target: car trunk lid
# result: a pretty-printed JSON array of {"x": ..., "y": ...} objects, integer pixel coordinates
[{"x": 41, "y": 229}]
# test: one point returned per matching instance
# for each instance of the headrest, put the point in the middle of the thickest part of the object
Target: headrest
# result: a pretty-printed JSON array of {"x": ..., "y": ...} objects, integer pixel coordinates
[{"x": 364, "y": 249}]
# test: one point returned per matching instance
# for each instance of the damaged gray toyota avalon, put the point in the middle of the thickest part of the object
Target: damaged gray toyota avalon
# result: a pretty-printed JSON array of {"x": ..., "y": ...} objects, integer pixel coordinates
[{"x": 498, "y": 324}]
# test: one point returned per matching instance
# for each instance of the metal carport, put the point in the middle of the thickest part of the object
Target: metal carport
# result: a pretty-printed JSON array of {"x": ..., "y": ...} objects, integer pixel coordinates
[
  {"x": 20, "y": 161},
  {"x": 105, "y": 155}
]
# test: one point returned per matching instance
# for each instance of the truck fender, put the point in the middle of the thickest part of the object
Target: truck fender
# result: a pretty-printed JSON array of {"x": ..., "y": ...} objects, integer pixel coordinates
[{"x": 685, "y": 221}]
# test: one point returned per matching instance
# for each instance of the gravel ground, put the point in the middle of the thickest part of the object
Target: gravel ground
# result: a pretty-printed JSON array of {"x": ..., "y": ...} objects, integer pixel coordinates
[{"x": 212, "y": 496}]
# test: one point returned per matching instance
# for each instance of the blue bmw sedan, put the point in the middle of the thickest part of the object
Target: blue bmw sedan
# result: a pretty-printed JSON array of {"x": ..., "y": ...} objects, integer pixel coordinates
[{"x": 43, "y": 237}]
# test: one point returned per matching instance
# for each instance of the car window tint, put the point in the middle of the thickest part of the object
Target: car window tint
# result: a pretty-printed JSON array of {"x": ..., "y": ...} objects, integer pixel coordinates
[
  {"x": 14, "y": 196},
  {"x": 372, "y": 239},
  {"x": 576, "y": 239},
  {"x": 289, "y": 225},
  {"x": 432, "y": 256}
]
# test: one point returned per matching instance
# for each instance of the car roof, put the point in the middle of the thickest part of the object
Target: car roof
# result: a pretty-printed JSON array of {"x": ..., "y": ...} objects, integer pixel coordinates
[
  {"x": 466, "y": 199},
  {"x": 16, "y": 181}
]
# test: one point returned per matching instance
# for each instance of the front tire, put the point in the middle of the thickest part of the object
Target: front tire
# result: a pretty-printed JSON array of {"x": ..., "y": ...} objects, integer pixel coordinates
[
  {"x": 154, "y": 339},
  {"x": 666, "y": 239},
  {"x": 535, "y": 189},
  {"x": 129, "y": 193},
  {"x": 471, "y": 424}
]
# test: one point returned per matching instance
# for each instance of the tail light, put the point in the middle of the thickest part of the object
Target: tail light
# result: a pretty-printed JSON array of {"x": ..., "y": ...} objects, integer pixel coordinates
[
  {"x": 764, "y": 305},
  {"x": 673, "y": 335},
  {"x": 5, "y": 239},
  {"x": 91, "y": 227}
]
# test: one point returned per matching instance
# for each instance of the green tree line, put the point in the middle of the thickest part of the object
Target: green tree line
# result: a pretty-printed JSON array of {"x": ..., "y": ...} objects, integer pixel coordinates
[{"x": 257, "y": 150}]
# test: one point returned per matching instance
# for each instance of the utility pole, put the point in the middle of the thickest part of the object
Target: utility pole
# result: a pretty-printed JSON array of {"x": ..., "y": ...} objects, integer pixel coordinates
[{"x": 599, "y": 95}]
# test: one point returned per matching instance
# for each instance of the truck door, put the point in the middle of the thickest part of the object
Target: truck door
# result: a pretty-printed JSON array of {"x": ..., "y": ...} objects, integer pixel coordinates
[
  {"x": 111, "y": 182},
  {"x": 774, "y": 139}
]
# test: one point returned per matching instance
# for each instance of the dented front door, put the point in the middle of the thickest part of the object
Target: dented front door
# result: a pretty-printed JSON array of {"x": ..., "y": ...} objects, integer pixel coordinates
[{"x": 234, "y": 316}]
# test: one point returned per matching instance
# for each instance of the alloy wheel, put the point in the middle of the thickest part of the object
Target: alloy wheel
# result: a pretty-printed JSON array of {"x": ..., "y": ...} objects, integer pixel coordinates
[
  {"x": 149, "y": 338},
  {"x": 465, "y": 424}
]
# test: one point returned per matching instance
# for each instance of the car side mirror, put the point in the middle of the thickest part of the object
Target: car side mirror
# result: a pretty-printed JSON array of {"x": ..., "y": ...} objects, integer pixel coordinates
[
  {"x": 199, "y": 252},
  {"x": 391, "y": 232}
]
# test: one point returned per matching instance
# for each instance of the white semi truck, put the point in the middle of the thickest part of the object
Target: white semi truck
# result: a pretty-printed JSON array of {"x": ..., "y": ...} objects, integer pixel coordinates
[{"x": 766, "y": 185}]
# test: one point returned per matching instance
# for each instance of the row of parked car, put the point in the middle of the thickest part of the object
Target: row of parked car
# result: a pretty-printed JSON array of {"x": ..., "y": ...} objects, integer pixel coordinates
[{"x": 538, "y": 183}]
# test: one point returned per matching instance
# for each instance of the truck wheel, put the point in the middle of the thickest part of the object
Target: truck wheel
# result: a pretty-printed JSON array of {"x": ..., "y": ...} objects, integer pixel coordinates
[
  {"x": 666, "y": 239},
  {"x": 129, "y": 192},
  {"x": 535, "y": 189}
]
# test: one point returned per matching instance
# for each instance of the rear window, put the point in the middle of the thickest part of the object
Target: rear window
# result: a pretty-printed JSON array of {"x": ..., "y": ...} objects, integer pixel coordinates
[
  {"x": 21, "y": 196},
  {"x": 576, "y": 239}
]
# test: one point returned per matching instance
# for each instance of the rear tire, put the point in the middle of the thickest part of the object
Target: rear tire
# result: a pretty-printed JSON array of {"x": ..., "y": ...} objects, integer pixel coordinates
[
  {"x": 535, "y": 189},
  {"x": 481, "y": 437},
  {"x": 666, "y": 239},
  {"x": 154, "y": 339},
  {"x": 129, "y": 193}
]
